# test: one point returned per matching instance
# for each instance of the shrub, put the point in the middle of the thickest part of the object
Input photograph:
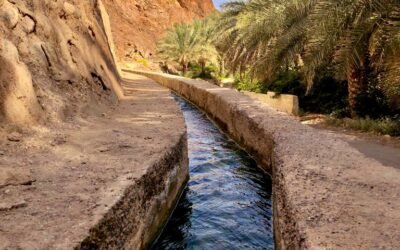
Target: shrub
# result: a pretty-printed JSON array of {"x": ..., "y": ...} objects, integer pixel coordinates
[
  {"x": 143, "y": 61},
  {"x": 246, "y": 83},
  {"x": 286, "y": 82},
  {"x": 195, "y": 71},
  {"x": 328, "y": 96}
]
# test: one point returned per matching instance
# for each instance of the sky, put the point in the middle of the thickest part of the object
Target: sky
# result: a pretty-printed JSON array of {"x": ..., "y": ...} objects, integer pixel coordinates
[{"x": 218, "y": 3}]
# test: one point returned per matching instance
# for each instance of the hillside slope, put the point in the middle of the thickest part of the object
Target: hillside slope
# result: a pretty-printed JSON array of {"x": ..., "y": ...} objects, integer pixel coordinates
[
  {"x": 56, "y": 60},
  {"x": 138, "y": 24}
]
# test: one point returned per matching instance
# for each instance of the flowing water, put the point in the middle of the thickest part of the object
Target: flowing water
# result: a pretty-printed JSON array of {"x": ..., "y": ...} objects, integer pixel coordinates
[{"x": 227, "y": 203}]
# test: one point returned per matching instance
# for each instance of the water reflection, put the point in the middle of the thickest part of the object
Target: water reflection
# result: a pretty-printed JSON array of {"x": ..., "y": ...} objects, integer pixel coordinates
[{"x": 227, "y": 204}]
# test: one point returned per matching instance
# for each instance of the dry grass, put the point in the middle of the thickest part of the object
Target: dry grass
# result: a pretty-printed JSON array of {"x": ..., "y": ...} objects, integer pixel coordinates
[{"x": 385, "y": 126}]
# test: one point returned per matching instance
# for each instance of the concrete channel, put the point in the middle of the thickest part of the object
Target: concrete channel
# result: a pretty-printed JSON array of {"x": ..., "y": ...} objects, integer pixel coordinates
[{"x": 326, "y": 194}]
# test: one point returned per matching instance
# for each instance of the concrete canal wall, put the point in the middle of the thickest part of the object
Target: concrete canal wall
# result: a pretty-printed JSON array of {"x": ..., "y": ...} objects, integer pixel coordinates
[{"x": 327, "y": 195}]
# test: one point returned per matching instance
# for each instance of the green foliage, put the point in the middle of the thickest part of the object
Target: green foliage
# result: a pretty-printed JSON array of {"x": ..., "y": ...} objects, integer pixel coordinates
[
  {"x": 354, "y": 37},
  {"x": 190, "y": 43},
  {"x": 373, "y": 103},
  {"x": 328, "y": 96},
  {"x": 247, "y": 84},
  {"x": 339, "y": 57},
  {"x": 262, "y": 37},
  {"x": 287, "y": 82},
  {"x": 210, "y": 71}
]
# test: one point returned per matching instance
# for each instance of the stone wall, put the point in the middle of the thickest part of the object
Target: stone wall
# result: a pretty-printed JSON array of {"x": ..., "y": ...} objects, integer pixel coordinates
[
  {"x": 327, "y": 195},
  {"x": 281, "y": 102}
]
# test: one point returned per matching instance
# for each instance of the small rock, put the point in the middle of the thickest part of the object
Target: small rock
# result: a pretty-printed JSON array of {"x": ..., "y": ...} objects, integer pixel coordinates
[
  {"x": 2, "y": 152},
  {"x": 28, "y": 24},
  {"x": 104, "y": 149},
  {"x": 14, "y": 137},
  {"x": 387, "y": 136},
  {"x": 69, "y": 8},
  {"x": 7, "y": 206},
  {"x": 7, "y": 191}
]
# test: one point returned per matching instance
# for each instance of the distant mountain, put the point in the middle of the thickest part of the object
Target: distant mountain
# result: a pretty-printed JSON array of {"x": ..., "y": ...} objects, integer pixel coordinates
[{"x": 138, "y": 24}]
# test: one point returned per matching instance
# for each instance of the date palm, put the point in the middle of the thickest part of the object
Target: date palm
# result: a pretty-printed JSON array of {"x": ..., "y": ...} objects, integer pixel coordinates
[
  {"x": 186, "y": 43},
  {"x": 263, "y": 36},
  {"x": 361, "y": 36}
]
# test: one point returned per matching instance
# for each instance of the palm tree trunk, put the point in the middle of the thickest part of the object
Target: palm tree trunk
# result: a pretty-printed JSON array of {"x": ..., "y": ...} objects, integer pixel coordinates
[
  {"x": 222, "y": 67},
  {"x": 184, "y": 68},
  {"x": 356, "y": 81},
  {"x": 203, "y": 68}
]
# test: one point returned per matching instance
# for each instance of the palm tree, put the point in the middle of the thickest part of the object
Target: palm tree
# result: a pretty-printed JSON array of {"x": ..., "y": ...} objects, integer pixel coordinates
[
  {"x": 179, "y": 44},
  {"x": 261, "y": 36},
  {"x": 186, "y": 43},
  {"x": 361, "y": 36}
]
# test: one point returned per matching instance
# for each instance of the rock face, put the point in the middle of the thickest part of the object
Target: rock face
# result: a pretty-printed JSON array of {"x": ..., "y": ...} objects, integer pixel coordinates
[
  {"x": 138, "y": 24},
  {"x": 57, "y": 55},
  {"x": 56, "y": 60}
]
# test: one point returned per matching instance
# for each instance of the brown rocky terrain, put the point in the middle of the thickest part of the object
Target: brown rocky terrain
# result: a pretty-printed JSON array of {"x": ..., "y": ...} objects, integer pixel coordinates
[
  {"x": 75, "y": 137},
  {"x": 57, "y": 58},
  {"x": 56, "y": 61},
  {"x": 103, "y": 182},
  {"x": 138, "y": 24}
]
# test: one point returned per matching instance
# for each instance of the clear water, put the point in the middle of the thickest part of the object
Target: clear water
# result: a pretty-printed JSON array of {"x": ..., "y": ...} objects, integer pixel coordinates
[{"x": 227, "y": 203}]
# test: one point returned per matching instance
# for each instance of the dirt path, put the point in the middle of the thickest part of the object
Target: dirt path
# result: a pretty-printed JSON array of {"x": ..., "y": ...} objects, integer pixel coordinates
[
  {"x": 383, "y": 149},
  {"x": 56, "y": 183}
]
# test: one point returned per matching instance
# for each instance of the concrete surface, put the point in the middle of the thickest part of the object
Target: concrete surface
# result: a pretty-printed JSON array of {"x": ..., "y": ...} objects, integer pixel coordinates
[
  {"x": 285, "y": 103},
  {"x": 327, "y": 194},
  {"x": 371, "y": 146},
  {"x": 106, "y": 181}
]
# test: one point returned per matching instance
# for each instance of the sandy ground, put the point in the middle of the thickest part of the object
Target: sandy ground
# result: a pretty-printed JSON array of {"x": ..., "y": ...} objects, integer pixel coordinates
[{"x": 55, "y": 183}]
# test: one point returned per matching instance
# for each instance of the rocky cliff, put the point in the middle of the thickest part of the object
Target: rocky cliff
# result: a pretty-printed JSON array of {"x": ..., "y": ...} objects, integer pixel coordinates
[
  {"x": 138, "y": 24},
  {"x": 57, "y": 55},
  {"x": 55, "y": 60}
]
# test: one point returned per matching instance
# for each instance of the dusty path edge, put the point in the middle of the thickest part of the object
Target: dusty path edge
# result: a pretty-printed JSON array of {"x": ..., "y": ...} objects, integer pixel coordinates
[{"x": 152, "y": 196}]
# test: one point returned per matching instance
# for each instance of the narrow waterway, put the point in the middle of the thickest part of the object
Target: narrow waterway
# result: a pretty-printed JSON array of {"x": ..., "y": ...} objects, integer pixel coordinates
[{"x": 227, "y": 203}]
